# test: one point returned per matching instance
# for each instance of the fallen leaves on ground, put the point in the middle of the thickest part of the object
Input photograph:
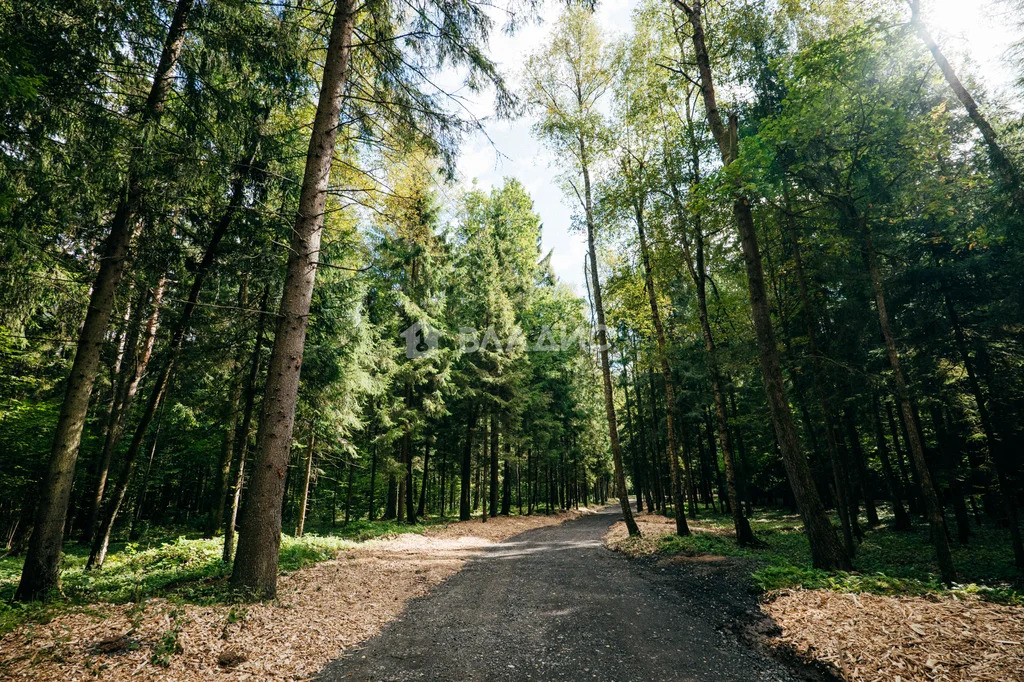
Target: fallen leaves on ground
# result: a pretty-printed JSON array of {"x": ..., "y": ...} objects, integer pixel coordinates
[
  {"x": 869, "y": 637},
  {"x": 320, "y": 611}
]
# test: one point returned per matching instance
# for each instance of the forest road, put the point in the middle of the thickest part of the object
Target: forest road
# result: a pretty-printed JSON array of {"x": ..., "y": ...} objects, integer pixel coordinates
[{"x": 553, "y": 604}]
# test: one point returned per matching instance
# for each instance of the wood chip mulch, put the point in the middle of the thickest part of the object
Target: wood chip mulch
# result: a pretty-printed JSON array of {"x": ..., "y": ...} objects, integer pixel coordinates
[
  {"x": 320, "y": 611},
  {"x": 870, "y": 637}
]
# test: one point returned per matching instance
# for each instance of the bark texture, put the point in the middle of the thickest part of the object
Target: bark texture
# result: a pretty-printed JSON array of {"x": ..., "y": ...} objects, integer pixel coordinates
[
  {"x": 259, "y": 535},
  {"x": 602, "y": 341}
]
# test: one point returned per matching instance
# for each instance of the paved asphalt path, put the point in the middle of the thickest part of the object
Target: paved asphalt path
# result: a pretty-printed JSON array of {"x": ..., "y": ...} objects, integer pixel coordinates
[{"x": 553, "y": 604}]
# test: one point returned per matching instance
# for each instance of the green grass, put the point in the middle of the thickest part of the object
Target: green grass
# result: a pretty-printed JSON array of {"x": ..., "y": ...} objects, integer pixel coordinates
[
  {"x": 887, "y": 562},
  {"x": 180, "y": 567},
  {"x": 176, "y": 564},
  {"x": 363, "y": 530}
]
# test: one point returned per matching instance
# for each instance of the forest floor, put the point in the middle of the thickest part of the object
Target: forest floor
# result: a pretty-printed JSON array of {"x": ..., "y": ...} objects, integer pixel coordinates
[
  {"x": 888, "y": 620},
  {"x": 535, "y": 597},
  {"x": 332, "y": 595}
]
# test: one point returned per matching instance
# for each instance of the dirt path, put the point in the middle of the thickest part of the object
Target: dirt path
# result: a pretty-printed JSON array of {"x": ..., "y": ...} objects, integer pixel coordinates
[{"x": 554, "y": 604}]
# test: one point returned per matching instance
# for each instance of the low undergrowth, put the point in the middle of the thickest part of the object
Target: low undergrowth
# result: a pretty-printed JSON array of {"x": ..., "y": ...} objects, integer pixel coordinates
[
  {"x": 183, "y": 568},
  {"x": 175, "y": 564},
  {"x": 888, "y": 562}
]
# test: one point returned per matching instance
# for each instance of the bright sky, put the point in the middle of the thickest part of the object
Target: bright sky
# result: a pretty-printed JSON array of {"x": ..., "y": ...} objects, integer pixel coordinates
[{"x": 982, "y": 35}]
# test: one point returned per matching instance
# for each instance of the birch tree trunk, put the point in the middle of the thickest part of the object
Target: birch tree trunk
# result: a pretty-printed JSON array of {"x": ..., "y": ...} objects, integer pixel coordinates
[{"x": 602, "y": 341}]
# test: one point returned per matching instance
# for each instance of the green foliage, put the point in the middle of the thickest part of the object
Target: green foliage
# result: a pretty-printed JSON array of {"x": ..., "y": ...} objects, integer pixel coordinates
[
  {"x": 167, "y": 645},
  {"x": 182, "y": 569},
  {"x": 888, "y": 562},
  {"x": 844, "y": 129}
]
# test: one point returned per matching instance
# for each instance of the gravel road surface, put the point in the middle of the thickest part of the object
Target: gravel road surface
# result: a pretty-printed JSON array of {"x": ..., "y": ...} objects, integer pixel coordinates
[{"x": 554, "y": 604}]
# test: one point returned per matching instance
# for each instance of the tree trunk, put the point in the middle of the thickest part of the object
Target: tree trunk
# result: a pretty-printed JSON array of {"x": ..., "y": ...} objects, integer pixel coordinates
[
  {"x": 547, "y": 489},
  {"x": 476, "y": 476},
  {"x": 259, "y": 537},
  {"x": 138, "y": 360},
  {"x": 519, "y": 480},
  {"x": 465, "y": 512},
  {"x": 422, "y": 506},
  {"x": 901, "y": 521},
  {"x": 910, "y": 477},
  {"x": 695, "y": 263},
  {"x": 506, "y": 487},
  {"x": 391, "y": 503},
  {"x": 682, "y": 528},
  {"x": 220, "y": 494},
  {"x": 996, "y": 448},
  {"x": 40, "y": 574},
  {"x": 1000, "y": 162},
  {"x": 743, "y": 458},
  {"x": 348, "y": 492},
  {"x": 99, "y": 548},
  {"x": 635, "y": 441},
  {"x": 656, "y": 471},
  {"x": 305, "y": 483},
  {"x": 371, "y": 512},
  {"x": 648, "y": 467},
  {"x": 531, "y": 485},
  {"x": 410, "y": 481},
  {"x": 443, "y": 489},
  {"x": 402, "y": 481},
  {"x": 933, "y": 510},
  {"x": 144, "y": 484},
  {"x": 862, "y": 469},
  {"x": 602, "y": 341},
  {"x": 484, "y": 461},
  {"x": 832, "y": 436},
  {"x": 826, "y": 551},
  {"x": 243, "y": 437},
  {"x": 494, "y": 465}
]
